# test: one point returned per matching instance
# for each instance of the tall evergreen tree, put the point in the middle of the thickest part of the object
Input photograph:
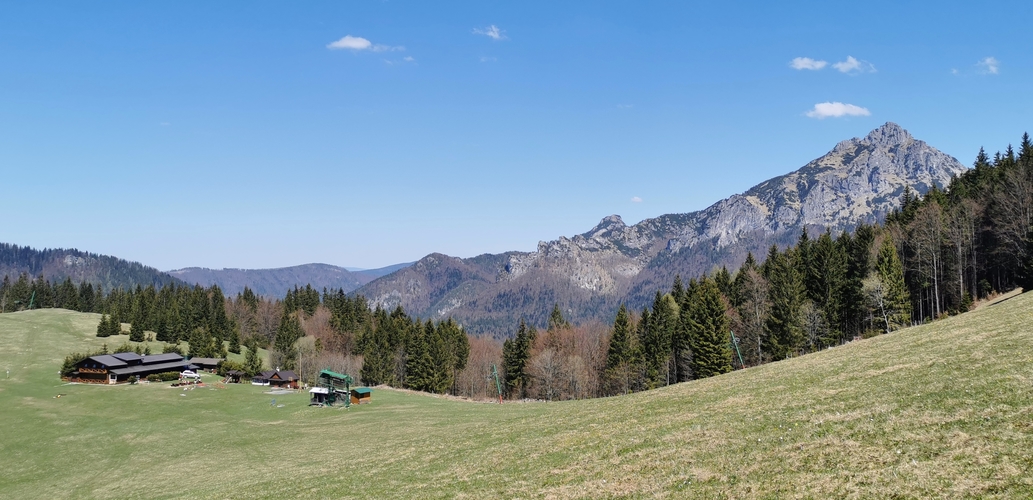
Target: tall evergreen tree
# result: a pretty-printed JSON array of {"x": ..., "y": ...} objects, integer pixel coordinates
[
  {"x": 891, "y": 272},
  {"x": 784, "y": 332},
  {"x": 708, "y": 331},
  {"x": 285, "y": 343},
  {"x": 515, "y": 354},
  {"x": 620, "y": 361}
]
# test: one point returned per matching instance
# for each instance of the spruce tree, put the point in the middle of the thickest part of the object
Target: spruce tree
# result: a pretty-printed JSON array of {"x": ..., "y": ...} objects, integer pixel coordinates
[
  {"x": 252, "y": 361},
  {"x": 419, "y": 368},
  {"x": 897, "y": 299},
  {"x": 620, "y": 355},
  {"x": 103, "y": 328},
  {"x": 785, "y": 292},
  {"x": 235, "y": 339},
  {"x": 708, "y": 331},
  {"x": 287, "y": 335}
]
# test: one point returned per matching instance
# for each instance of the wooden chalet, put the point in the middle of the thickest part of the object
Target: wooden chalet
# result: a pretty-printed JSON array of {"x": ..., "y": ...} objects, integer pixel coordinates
[
  {"x": 234, "y": 376},
  {"x": 276, "y": 378},
  {"x": 119, "y": 367},
  {"x": 362, "y": 395},
  {"x": 207, "y": 364}
]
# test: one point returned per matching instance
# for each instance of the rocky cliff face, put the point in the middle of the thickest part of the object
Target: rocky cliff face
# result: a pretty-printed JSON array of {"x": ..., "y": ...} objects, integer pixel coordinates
[{"x": 589, "y": 274}]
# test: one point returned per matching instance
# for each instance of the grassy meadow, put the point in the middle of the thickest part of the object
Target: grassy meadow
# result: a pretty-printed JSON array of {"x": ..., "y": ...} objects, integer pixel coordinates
[{"x": 941, "y": 410}]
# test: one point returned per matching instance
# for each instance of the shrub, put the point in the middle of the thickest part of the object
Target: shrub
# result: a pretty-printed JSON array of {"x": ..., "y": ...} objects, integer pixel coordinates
[
  {"x": 153, "y": 378},
  {"x": 227, "y": 365},
  {"x": 168, "y": 376}
]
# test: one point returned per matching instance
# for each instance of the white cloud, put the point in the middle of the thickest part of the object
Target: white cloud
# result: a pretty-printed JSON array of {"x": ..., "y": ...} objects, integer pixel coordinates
[
  {"x": 835, "y": 110},
  {"x": 409, "y": 59},
  {"x": 954, "y": 71},
  {"x": 492, "y": 32},
  {"x": 636, "y": 199},
  {"x": 358, "y": 43},
  {"x": 852, "y": 65},
  {"x": 807, "y": 63},
  {"x": 625, "y": 106},
  {"x": 989, "y": 66},
  {"x": 488, "y": 59}
]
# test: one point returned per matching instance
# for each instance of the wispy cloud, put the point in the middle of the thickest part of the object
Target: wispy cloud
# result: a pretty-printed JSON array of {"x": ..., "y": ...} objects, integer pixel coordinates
[
  {"x": 853, "y": 65},
  {"x": 409, "y": 58},
  {"x": 625, "y": 106},
  {"x": 989, "y": 66},
  {"x": 636, "y": 199},
  {"x": 807, "y": 63},
  {"x": 485, "y": 59},
  {"x": 492, "y": 32},
  {"x": 357, "y": 43},
  {"x": 835, "y": 110}
]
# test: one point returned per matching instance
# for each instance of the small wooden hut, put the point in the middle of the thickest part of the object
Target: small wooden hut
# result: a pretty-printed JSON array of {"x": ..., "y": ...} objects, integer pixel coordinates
[{"x": 362, "y": 395}]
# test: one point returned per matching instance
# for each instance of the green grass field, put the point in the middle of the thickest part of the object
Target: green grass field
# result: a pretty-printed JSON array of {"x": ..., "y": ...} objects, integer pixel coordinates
[{"x": 942, "y": 410}]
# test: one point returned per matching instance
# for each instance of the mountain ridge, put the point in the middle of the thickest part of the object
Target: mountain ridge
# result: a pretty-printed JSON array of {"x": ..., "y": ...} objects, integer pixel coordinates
[
  {"x": 859, "y": 181},
  {"x": 275, "y": 282}
]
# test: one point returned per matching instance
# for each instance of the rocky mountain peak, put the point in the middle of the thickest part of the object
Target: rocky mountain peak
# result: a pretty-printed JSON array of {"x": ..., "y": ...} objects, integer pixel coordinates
[
  {"x": 608, "y": 225},
  {"x": 888, "y": 135}
]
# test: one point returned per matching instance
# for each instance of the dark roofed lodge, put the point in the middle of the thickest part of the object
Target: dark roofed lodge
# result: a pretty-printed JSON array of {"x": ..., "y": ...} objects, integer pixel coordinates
[{"x": 119, "y": 367}]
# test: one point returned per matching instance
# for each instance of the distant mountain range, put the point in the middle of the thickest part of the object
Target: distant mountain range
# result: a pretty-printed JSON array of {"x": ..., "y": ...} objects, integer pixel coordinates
[
  {"x": 59, "y": 263},
  {"x": 589, "y": 275},
  {"x": 859, "y": 181},
  {"x": 274, "y": 283}
]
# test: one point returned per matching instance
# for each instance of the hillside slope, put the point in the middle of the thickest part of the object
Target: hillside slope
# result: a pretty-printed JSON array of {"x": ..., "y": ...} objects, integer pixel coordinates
[
  {"x": 942, "y": 410},
  {"x": 57, "y": 264},
  {"x": 590, "y": 274},
  {"x": 274, "y": 283}
]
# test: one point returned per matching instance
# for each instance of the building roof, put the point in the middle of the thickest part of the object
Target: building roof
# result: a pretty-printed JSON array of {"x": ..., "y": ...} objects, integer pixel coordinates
[
  {"x": 153, "y": 368},
  {"x": 334, "y": 375},
  {"x": 106, "y": 360},
  {"x": 162, "y": 358},
  {"x": 206, "y": 361},
  {"x": 284, "y": 375},
  {"x": 266, "y": 374},
  {"x": 363, "y": 390},
  {"x": 127, "y": 356}
]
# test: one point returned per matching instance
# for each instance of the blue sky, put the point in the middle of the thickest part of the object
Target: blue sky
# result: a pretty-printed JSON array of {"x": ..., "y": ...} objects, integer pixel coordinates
[{"x": 366, "y": 133}]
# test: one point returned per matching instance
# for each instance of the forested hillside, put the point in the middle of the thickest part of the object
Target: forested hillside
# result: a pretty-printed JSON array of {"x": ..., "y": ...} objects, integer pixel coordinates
[{"x": 57, "y": 265}]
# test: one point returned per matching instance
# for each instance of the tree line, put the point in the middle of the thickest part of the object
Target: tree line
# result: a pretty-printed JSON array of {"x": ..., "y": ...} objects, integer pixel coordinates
[{"x": 932, "y": 257}]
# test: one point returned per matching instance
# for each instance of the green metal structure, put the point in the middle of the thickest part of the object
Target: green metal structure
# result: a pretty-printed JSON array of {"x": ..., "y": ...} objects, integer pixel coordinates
[
  {"x": 735, "y": 344},
  {"x": 498, "y": 385},
  {"x": 332, "y": 381}
]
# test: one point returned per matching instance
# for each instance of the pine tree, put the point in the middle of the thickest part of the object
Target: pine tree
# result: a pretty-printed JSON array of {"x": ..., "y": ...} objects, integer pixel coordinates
[
  {"x": 824, "y": 280},
  {"x": 897, "y": 300},
  {"x": 235, "y": 339},
  {"x": 708, "y": 331},
  {"x": 785, "y": 292},
  {"x": 287, "y": 335},
  {"x": 515, "y": 354},
  {"x": 103, "y": 329},
  {"x": 252, "y": 361},
  {"x": 419, "y": 369},
  {"x": 619, "y": 355}
]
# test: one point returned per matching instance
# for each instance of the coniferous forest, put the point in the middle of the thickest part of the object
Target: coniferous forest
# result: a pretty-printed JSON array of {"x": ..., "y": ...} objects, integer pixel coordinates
[{"x": 935, "y": 256}]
